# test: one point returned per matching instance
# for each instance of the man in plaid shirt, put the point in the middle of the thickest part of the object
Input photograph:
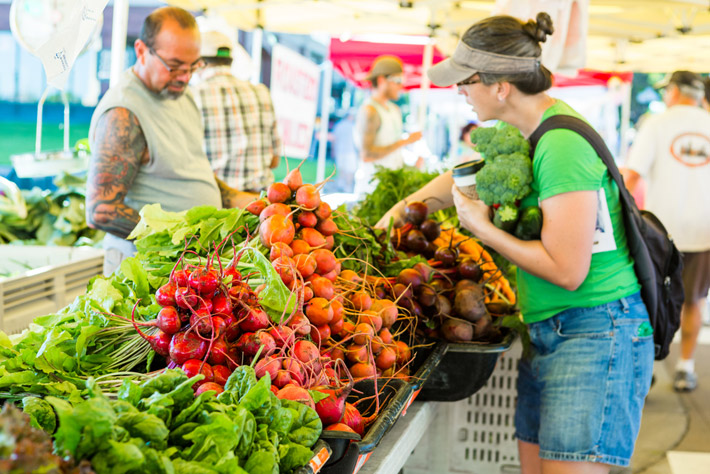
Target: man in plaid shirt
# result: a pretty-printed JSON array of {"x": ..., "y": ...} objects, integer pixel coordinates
[{"x": 241, "y": 140}]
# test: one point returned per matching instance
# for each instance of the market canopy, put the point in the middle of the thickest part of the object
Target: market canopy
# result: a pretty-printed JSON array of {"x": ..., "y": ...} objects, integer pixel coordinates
[
  {"x": 353, "y": 59},
  {"x": 644, "y": 36}
]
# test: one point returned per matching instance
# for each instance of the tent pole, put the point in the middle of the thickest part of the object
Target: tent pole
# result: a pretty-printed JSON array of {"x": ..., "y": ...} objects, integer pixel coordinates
[
  {"x": 119, "y": 30},
  {"x": 327, "y": 69},
  {"x": 257, "y": 41},
  {"x": 426, "y": 64},
  {"x": 625, "y": 119}
]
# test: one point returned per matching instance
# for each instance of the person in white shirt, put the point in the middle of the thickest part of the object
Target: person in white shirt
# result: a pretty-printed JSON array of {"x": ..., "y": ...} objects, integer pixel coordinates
[
  {"x": 672, "y": 153},
  {"x": 378, "y": 131}
]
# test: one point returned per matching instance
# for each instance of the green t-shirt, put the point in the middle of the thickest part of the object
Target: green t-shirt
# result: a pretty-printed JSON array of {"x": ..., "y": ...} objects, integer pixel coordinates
[{"x": 564, "y": 162}]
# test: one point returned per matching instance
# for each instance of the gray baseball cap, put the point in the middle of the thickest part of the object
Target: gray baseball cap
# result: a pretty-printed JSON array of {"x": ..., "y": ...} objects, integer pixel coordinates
[
  {"x": 682, "y": 78},
  {"x": 467, "y": 61}
]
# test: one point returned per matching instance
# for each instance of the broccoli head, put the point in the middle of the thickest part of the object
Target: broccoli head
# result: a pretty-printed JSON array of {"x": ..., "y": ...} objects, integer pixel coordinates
[
  {"x": 491, "y": 141},
  {"x": 504, "y": 179}
]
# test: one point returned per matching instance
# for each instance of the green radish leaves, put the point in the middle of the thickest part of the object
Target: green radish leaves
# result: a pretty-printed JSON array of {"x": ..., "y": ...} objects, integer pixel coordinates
[{"x": 278, "y": 301}]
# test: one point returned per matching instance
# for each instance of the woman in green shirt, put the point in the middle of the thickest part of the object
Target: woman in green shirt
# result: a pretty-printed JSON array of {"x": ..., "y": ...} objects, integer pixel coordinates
[{"x": 580, "y": 396}]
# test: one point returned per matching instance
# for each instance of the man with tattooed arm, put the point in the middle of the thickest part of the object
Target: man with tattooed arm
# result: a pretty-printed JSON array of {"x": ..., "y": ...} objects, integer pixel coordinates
[
  {"x": 378, "y": 130},
  {"x": 147, "y": 139}
]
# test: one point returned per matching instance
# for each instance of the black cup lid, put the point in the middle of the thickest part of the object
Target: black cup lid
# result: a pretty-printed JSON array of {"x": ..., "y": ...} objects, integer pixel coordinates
[{"x": 468, "y": 168}]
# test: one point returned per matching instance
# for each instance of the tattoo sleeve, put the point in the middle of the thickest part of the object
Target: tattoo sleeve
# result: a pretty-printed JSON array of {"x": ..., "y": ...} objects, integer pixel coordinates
[
  {"x": 118, "y": 154},
  {"x": 368, "y": 123},
  {"x": 233, "y": 198}
]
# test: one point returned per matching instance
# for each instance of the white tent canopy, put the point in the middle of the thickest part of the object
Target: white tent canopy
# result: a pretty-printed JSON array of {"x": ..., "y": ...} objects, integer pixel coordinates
[{"x": 637, "y": 35}]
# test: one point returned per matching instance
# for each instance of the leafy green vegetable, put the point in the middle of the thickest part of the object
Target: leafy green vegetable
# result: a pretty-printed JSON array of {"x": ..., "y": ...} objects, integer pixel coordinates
[
  {"x": 130, "y": 392},
  {"x": 392, "y": 187},
  {"x": 117, "y": 458},
  {"x": 41, "y": 413},
  {"x": 213, "y": 439},
  {"x": 293, "y": 456},
  {"x": 241, "y": 381},
  {"x": 148, "y": 427},
  {"x": 40, "y": 217},
  {"x": 277, "y": 300},
  {"x": 307, "y": 425},
  {"x": 24, "y": 448}
]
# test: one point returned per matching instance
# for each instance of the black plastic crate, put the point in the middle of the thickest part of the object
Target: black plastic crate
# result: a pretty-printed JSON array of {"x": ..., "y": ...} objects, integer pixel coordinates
[
  {"x": 426, "y": 360},
  {"x": 463, "y": 370},
  {"x": 348, "y": 452},
  {"x": 321, "y": 453}
]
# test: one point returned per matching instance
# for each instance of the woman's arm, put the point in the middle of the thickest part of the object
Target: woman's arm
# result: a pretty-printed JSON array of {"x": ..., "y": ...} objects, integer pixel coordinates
[
  {"x": 438, "y": 188},
  {"x": 562, "y": 255}
]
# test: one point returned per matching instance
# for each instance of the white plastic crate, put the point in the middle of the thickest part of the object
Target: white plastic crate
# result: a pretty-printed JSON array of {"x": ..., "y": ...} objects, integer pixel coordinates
[
  {"x": 43, "y": 280},
  {"x": 475, "y": 435}
]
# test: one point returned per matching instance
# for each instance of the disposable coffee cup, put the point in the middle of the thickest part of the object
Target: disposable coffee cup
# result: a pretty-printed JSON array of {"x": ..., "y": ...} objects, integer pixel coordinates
[{"x": 465, "y": 177}]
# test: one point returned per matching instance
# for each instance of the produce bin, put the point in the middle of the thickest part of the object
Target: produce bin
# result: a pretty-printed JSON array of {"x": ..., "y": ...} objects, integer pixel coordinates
[
  {"x": 463, "y": 370},
  {"x": 477, "y": 434},
  {"x": 426, "y": 361},
  {"x": 349, "y": 453},
  {"x": 321, "y": 454},
  {"x": 39, "y": 280}
]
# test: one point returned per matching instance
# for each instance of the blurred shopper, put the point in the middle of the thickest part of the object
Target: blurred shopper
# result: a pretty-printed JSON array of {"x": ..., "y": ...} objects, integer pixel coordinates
[
  {"x": 671, "y": 152},
  {"x": 146, "y": 137},
  {"x": 465, "y": 147},
  {"x": 241, "y": 140},
  {"x": 378, "y": 131}
]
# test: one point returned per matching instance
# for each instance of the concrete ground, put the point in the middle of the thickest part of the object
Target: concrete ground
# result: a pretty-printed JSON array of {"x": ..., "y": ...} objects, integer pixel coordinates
[{"x": 675, "y": 431}]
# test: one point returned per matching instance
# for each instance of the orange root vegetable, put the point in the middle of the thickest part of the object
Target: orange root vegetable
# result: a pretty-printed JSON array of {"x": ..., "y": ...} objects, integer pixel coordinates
[{"x": 363, "y": 333}]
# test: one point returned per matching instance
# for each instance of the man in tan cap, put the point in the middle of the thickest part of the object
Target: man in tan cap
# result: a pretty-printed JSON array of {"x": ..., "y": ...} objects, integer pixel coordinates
[
  {"x": 378, "y": 132},
  {"x": 241, "y": 140}
]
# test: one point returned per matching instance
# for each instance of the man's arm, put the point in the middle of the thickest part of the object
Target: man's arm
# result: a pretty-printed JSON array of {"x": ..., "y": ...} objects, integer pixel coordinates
[
  {"x": 631, "y": 179},
  {"x": 233, "y": 198},
  {"x": 119, "y": 152},
  {"x": 368, "y": 123}
]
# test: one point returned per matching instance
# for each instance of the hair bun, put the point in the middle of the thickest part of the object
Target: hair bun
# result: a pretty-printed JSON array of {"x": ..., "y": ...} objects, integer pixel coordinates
[{"x": 544, "y": 27}]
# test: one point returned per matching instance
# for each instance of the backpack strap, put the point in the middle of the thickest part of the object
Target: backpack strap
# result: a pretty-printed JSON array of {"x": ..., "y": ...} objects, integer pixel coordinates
[{"x": 590, "y": 135}]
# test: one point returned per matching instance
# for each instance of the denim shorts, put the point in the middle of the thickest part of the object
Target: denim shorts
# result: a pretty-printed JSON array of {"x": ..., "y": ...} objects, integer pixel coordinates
[{"x": 581, "y": 394}]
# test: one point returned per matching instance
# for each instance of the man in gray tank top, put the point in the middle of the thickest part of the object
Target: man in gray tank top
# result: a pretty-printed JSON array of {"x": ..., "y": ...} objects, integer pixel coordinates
[
  {"x": 146, "y": 137},
  {"x": 378, "y": 130}
]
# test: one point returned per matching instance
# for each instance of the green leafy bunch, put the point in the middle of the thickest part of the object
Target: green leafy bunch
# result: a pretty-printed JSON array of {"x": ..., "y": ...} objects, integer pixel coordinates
[
  {"x": 158, "y": 426},
  {"x": 41, "y": 217},
  {"x": 392, "y": 187}
]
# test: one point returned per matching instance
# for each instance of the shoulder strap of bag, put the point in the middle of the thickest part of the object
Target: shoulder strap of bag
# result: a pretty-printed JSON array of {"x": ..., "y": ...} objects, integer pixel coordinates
[
  {"x": 588, "y": 133},
  {"x": 632, "y": 216}
]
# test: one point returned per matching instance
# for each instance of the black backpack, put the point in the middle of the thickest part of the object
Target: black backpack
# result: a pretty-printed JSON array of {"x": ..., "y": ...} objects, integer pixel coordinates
[{"x": 657, "y": 261}]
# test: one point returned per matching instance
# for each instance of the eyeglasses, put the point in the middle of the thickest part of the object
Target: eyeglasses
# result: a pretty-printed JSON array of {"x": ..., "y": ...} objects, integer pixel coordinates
[
  {"x": 175, "y": 71},
  {"x": 395, "y": 79},
  {"x": 468, "y": 82}
]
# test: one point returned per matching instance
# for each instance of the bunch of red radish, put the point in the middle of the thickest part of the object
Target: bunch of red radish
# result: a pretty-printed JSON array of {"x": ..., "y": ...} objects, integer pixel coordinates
[{"x": 211, "y": 322}]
